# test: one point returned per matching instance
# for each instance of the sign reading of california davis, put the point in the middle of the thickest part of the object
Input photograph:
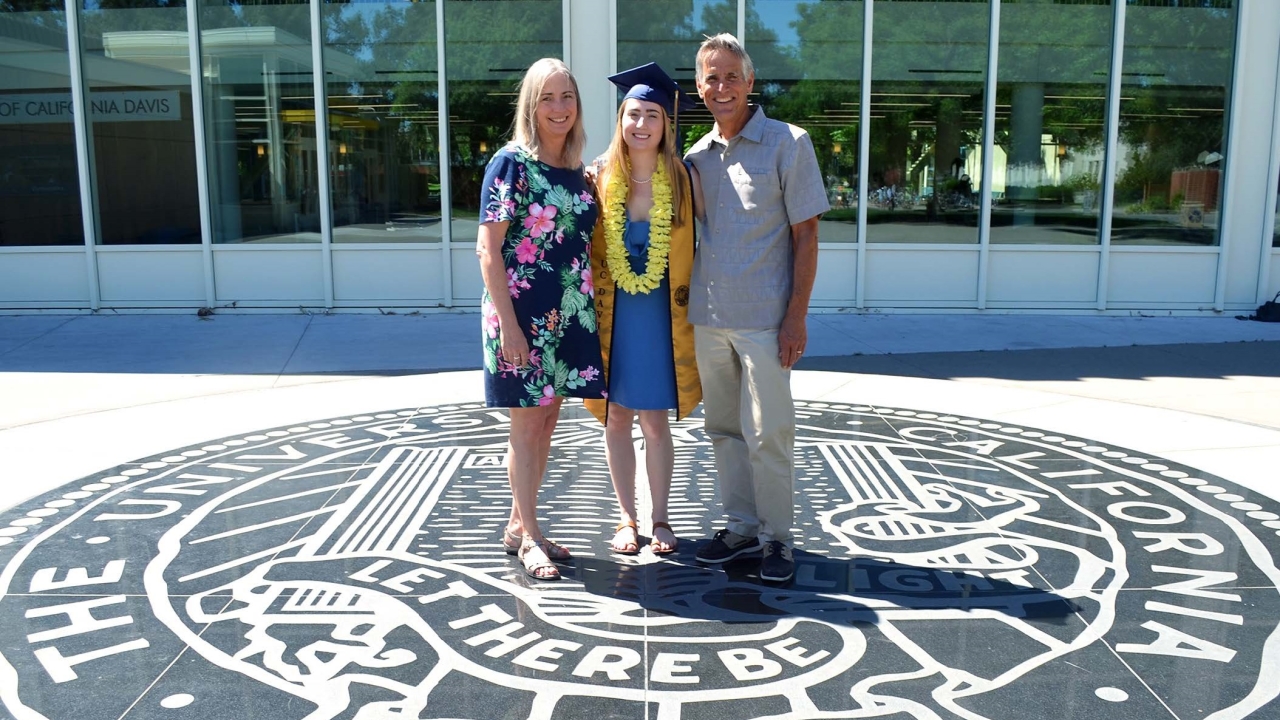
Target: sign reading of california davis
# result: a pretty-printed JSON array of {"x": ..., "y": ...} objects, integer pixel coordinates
[{"x": 947, "y": 568}]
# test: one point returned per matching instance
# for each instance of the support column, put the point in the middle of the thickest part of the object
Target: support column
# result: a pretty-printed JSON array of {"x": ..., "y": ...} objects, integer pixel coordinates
[
  {"x": 1026, "y": 128},
  {"x": 589, "y": 58},
  {"x": 224, "y": 179},
  {"x": 319, "y": 86},
  {"x": 1114, "y": 84},
  {"x": 1269, "y": 208},
  {"x": 202, "y": 151},
  {"x": 864, "y": 156},
  {"x": 444, "y": 143},
  {"x": 280, "y": 214},
  {"x": 988, "y": 155},
  {"x": 84, "y": 151},
  {"x": 946, "y": 147}
]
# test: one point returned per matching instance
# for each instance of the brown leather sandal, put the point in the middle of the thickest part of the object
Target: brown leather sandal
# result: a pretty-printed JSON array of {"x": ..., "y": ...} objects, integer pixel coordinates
[
  {"x": 655, "y": 547},
  {"x": 555, "y": 550},
  {"x": 511, "y": 544},
  {"x": 629, "y": 548}
]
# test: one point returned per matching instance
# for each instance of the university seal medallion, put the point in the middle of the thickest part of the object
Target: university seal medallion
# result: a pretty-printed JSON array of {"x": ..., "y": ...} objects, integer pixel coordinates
[{"x": 948, "y": 567}]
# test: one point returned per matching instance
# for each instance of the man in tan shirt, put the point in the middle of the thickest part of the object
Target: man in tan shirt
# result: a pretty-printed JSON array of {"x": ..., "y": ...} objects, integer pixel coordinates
[{"x": 763, "y": 194}]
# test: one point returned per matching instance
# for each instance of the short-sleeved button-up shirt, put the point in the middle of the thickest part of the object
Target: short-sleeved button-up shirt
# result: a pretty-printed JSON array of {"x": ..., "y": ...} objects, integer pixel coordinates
[{"x": 755, "y": 186}]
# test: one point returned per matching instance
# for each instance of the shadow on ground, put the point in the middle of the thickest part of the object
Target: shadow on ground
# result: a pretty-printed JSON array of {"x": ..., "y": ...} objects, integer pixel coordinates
[{"x": 1210, "y": 360}]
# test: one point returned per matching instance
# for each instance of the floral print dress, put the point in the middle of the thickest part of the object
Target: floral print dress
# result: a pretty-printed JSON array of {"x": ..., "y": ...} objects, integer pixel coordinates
[{"x": 547, "y": 253}]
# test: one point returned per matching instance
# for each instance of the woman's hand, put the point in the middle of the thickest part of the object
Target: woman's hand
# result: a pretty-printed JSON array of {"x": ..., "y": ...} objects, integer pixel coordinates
[{"x": 515, "y": 348}]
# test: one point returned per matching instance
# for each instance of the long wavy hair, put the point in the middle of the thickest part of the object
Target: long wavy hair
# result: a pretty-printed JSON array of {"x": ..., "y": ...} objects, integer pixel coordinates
[
  {"x": 618, "y": 159},
  {"x": 524, "y": 129}
]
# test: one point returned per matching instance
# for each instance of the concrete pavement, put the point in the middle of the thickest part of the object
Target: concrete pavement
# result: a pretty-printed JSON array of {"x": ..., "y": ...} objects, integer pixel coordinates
[{"x": 172, "y": 468}]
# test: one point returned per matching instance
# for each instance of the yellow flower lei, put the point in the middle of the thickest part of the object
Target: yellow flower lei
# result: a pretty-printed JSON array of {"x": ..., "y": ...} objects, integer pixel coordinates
[{"x": 659, "y": 233}]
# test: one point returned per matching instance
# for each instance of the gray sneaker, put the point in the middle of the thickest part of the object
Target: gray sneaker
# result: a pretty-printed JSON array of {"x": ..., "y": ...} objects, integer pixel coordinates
[
  {"x": 777, "y": 564},
  {"x": 726, "y": 546}
]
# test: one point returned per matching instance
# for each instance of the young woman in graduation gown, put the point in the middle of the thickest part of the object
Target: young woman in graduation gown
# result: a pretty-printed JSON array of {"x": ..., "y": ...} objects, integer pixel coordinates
[{"x": 642, "y": 258}]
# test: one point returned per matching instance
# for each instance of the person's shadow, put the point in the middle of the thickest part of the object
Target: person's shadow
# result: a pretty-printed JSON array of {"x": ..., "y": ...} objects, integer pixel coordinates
[{"x": 835, "y": 590}]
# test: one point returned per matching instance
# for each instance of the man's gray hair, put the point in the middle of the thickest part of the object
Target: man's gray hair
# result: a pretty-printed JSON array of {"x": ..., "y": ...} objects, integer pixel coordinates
[{"x": 729, "y": 44}]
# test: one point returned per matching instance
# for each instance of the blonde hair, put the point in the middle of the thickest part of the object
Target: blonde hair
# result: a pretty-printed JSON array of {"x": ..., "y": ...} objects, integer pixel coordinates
[
  {"x": 524, "y": 129},
  {"x": 729, "y": 44},
  {"x": 618, "y": 159}
]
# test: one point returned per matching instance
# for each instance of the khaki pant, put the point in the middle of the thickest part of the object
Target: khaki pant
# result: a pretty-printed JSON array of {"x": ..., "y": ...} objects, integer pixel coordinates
[{"x": 751, "y": 421}]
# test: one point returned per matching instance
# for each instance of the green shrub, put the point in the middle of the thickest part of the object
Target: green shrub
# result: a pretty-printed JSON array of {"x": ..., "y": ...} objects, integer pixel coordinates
[{"x": 1082, "y": 181}]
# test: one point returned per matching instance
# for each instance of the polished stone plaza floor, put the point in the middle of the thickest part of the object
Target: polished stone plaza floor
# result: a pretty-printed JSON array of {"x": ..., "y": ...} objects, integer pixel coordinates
[{"x": 299, "y": 517}]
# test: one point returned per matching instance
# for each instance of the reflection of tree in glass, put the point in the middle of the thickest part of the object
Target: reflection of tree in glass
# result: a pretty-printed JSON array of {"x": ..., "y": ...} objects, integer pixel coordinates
[
  {"x": 135, "y": 15},
  {"x": 660, "y": 31},
  {"x": 489, "y": 45},
  {"x": 382, "y": 109},
  {"x": 773, "y": 62},
  {"x": 291, "y": 16},
  {"x": 395, "y": 51},
  {"x": 669, "y": 32},
  {"x": 1177, "y": 67},
  {"x": 928, "y": 67},
  {"x": 815, "y": 84},
  {"x": 39, "y": 13},
  {"x": 1056, "y": 59}
]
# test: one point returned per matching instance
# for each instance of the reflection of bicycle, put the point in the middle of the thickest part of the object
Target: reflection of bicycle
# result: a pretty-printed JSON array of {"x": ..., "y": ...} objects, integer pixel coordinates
[
  {"x": 957, "y": 201},
  {"x": 892, "y": 197}
]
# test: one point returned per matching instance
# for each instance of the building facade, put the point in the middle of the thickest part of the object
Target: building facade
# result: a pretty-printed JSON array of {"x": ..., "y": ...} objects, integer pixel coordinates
[{"x": 1072, "y": 155}]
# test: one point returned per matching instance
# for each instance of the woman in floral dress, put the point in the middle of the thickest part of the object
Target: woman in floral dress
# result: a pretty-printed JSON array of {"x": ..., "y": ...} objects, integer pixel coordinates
[{"x": 540, "y": 342}]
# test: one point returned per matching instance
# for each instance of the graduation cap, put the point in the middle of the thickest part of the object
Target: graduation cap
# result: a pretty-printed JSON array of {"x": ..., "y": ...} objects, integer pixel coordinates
[{"x": 651, "y": 83}]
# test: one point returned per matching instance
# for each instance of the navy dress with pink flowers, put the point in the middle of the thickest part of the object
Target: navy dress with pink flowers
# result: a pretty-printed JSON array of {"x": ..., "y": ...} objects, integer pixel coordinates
[{"x": 547, "y": 253}]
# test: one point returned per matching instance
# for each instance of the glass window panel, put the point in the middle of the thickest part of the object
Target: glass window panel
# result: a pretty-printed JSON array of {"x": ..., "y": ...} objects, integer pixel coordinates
[
  {"x": 489, "y": 44},
  {"x": 927, "y": 72},
  {"x": 1173, "y": 127},
  {"x": 260, "y": 120},
  {"x": 1275, "y": 242},
  {"x": 1050, "y": 138},
  {"x": 39, "y": 182},
  {"x": 384, "y": 158},
  {"x": 138, "y": 77},
  {"x": 808, "y": 59},
  {"x": 668, "y": 32}
]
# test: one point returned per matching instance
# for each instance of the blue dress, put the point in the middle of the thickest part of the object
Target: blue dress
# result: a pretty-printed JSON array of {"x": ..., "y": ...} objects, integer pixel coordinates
[{"x": 642, "y": 370}]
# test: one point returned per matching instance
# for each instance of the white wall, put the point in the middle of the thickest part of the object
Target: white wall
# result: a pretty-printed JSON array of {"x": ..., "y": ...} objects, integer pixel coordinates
[
  {"x": 44, "y": 277},
  {"x": 591, "y": 58},
  {"x": 1248, "y": 163},
  {"x": 170, "y": 276},
  {"x": 268, "y": 276},
  {"x": 388, "y": 274}
]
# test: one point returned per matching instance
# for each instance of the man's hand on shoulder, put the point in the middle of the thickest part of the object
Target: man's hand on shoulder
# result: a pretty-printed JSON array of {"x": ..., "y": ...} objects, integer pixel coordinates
[{"x": 593, "y": 169}]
